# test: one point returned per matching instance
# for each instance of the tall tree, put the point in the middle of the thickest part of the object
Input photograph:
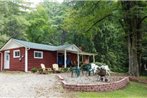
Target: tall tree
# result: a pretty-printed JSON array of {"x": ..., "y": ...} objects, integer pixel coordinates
[
  {"x": 13, "y": 22},
  {"x": 92, "y": 25},
  {"x": 133, "y": 12}
]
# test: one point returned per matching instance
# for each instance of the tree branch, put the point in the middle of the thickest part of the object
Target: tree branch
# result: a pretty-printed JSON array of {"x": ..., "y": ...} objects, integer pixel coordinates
[
  {"x": 98, "y": 22},
  {"x": 142, "y": 20}
]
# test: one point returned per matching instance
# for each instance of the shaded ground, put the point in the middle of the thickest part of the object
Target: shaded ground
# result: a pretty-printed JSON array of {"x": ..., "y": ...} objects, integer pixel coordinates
[{"x": 31, "y": 85}]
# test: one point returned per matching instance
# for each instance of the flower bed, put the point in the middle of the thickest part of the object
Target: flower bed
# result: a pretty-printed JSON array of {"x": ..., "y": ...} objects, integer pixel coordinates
[{"x": 93, "y": 86}]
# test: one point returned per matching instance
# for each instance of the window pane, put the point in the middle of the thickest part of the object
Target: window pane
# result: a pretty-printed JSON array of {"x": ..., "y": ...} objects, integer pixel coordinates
[
  {"x": 35, "y": 54},
  {"x": 17, "y": 53},
  {"x": 39, "y": 54}
]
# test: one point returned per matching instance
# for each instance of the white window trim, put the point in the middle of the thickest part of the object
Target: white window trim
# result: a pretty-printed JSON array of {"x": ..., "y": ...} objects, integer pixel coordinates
[
  {"x": 14, "y": 53},
  {"x": 38, "y": 52}
]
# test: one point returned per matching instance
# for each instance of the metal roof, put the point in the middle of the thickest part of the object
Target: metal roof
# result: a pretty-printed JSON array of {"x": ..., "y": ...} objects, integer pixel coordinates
[
  {"x": 36, "y": 45},
  {"x": 68, "y": 47},
  {"x": 44, "y": 46}
]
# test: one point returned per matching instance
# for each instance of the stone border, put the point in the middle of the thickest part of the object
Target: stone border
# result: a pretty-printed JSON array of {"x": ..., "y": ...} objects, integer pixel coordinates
[{"x": 95, "y": 87}]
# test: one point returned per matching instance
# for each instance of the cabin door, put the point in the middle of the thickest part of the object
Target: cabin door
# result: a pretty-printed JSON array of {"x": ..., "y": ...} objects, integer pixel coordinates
[{"x": 7, "y": 60}]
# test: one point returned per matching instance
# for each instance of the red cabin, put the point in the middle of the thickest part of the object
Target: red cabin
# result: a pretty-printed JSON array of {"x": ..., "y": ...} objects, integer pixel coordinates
[{"x": 18, "y": 55}]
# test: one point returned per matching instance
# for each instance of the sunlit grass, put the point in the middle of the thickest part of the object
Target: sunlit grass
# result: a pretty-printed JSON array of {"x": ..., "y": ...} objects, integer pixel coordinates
[{"x": 133, "y": 90}]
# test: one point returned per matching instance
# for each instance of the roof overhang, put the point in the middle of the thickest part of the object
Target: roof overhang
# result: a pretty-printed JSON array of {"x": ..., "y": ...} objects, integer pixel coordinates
[
  {"x": 11, "y": 44},
  {"x": 86, "y": 53},
  {"x": 72, "y": 48}
]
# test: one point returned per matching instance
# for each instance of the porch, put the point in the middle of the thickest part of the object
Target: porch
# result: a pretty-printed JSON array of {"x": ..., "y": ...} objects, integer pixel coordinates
[{"x": 72, "y": 55}]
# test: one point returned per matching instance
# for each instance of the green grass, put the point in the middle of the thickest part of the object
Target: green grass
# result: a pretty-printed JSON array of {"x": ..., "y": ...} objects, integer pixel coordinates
[
  {"x": 143, "y": 77},
  {"x": 133, "y": 90}
]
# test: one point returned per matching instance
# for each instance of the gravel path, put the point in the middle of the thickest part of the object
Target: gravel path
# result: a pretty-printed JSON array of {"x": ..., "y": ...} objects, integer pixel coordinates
[
  {"x": 84, "y": 79},
  {"x": 31, "y": 85}
]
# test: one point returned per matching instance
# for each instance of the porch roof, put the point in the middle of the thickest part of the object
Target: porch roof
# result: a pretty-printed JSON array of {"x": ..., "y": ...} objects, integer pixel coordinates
[
  {"x": 86, "y": 53},
  {"x": 69, "y": 47}
]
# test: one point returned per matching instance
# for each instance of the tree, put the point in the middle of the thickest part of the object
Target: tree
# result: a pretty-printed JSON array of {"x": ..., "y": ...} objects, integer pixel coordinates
[
  {"x": 39, "y": 27},
  {"x": 133, "y": 12},
  {"x": 92, "y": 24},
  {"x": 13, "y": 22}
]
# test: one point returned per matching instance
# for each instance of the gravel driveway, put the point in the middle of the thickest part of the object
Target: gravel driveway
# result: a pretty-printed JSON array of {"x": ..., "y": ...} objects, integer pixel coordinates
[{"x": 31, "y": 85}]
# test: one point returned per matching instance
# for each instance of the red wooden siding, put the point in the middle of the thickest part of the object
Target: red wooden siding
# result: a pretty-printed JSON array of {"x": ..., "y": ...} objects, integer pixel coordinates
[
  {"x": 73, "y": 58},
  {"x": 2, "y": 59},
  {"x": 17, "y": 64},
  {"x": 49, "y": 58}
]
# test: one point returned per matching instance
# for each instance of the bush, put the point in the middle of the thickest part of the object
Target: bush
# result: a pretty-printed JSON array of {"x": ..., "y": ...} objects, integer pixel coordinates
[
  {"x": 64, "y": 69},
  {"x": 34, "y": 69},
  {"x": 40, "y": 70},
  {"x": 99, "y": 63}
]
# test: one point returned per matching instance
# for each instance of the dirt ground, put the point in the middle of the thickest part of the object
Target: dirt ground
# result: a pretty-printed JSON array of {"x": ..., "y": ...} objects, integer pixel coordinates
[{"x": 17, "y": 84}]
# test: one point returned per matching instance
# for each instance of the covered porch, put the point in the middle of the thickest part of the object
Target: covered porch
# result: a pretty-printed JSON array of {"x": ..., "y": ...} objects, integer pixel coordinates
[{"x": 71, "y": 54}]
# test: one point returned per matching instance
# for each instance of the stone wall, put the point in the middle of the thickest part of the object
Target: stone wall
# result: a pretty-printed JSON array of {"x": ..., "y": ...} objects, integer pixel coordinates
[{"x": 95, "y": 87}]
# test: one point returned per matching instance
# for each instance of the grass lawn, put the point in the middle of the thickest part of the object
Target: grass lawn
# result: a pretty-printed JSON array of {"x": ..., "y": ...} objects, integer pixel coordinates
[
  {"x": 143, "y": 77},
  {"x": 133, "y": 90}
]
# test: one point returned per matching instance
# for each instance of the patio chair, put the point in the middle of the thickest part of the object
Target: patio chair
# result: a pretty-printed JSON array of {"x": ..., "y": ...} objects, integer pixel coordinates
[
  {"x": 56, "y": 68},
  {"x": 87, "y": 68},
  {"x": 75, "y": 70},
  {"x": 44, "y": 69}
]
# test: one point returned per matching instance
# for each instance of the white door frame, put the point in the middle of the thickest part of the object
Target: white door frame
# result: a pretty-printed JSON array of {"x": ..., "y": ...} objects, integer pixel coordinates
[{"x": 7, "y": 60}]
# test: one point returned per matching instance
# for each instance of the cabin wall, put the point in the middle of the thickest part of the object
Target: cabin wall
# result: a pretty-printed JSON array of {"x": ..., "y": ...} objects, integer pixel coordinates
[
  {"x": 73, "y": 58},
  {"x": 2, "y": 60},
  {"x": 49, "y": 58},
  {"x": 16, "y": 64}
]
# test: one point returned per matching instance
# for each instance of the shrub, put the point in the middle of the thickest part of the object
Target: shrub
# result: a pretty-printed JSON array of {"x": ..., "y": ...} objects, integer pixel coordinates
[
  {"x": 64, "y": 69},
  {"x": 40, "y": 70},
  {"x": 99, "y": 63},
  {"x": 34, "y": 69}
]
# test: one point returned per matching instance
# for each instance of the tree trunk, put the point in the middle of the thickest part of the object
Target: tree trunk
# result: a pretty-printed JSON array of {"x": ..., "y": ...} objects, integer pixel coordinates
[{"x": 131, "y": 21}]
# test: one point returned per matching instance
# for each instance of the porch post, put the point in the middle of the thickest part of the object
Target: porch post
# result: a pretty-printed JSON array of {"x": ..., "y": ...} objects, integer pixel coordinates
[
  {"x": 65, "y": 58},
  {"x": 93, "y": 58},
  {"x": 78, "y": 59},
  {"x": 26, "y": 60},
  {"x": 57, "y": 57}
]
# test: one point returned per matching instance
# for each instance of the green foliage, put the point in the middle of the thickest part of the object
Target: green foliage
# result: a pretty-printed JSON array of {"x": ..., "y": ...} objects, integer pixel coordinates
[
  {"x": 38, "y": 29},
  {"x": 34, "y": 70},
  {"x": 12, "y": 19},
  {"x": 99, "y": 63},
  {"x": 40, "y": 70},
  {"x": 95, "y": 26},
  {"x": 65, "y": 70}
]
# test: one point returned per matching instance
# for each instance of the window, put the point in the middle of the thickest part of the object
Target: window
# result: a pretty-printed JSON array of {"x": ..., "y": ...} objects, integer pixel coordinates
[
  {"x": 38, "y": 54},
  {"x": 16, "y": 53}
]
